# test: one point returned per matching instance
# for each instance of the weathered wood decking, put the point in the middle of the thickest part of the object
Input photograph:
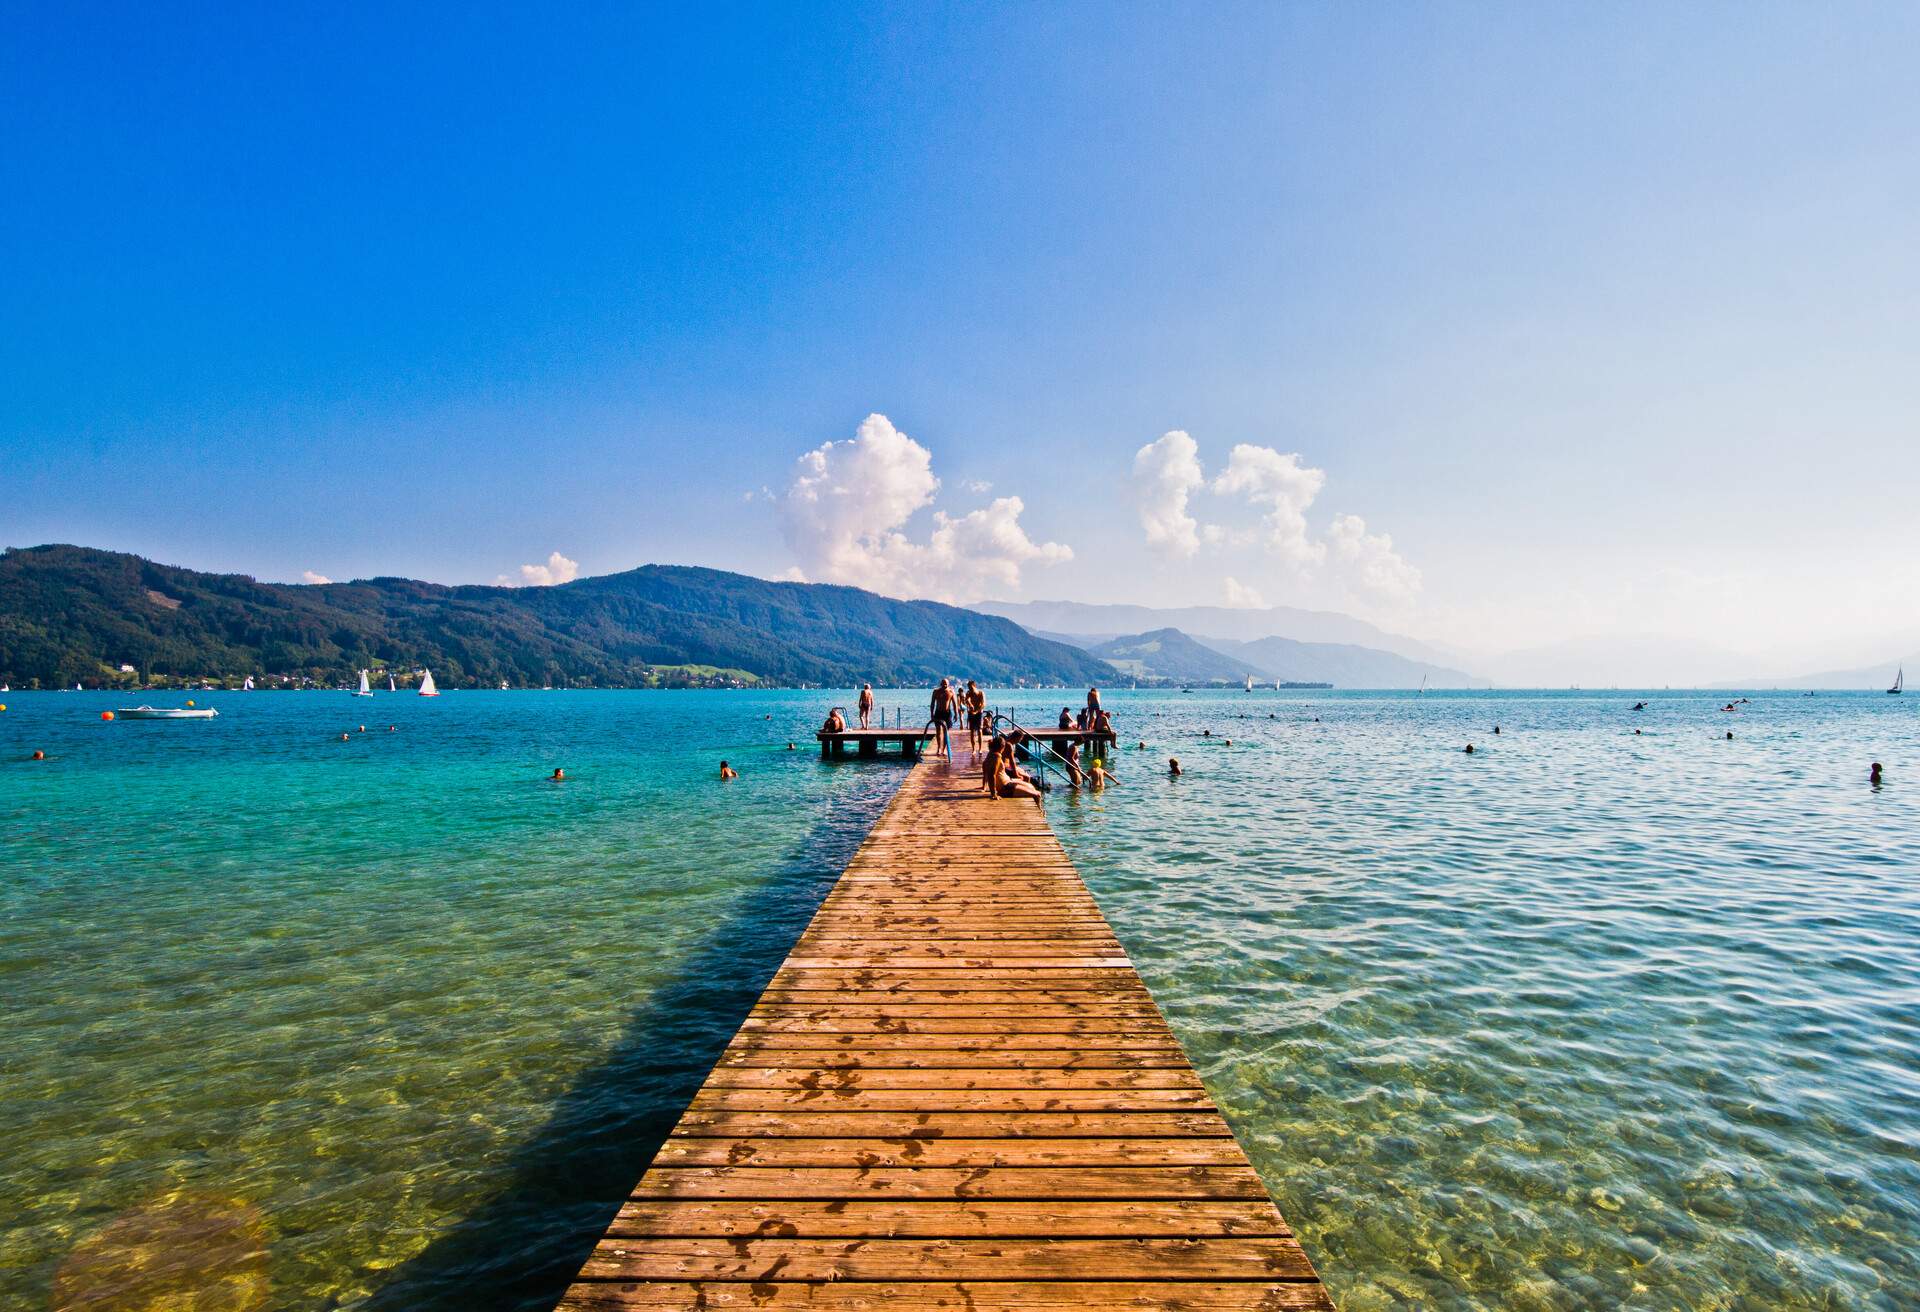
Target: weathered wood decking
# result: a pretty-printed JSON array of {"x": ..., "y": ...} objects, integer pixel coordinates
[{"x": 956, "y": 1094}]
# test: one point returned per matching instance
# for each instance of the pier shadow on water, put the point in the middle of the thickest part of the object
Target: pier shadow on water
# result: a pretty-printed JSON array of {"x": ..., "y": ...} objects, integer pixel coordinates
[{"x": 519, "y": 1251}]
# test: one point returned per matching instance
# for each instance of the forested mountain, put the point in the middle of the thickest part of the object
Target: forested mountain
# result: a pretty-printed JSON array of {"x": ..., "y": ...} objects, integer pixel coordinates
[
  {"x": 74, "y": 614},
  {"x": 1170, "y": 654}
]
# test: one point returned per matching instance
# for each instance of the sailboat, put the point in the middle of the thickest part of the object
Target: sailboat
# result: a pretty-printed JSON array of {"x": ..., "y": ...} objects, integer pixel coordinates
[
  {"x": 248, "y": 685},
  {"x": 363, "y": 690},
  {"x": 390, "y": 684},
  {"x": 426, "y": 685},
  {"x": 1249, "y": 683},
  {"x": 1423, "y": 685},
  {"x": 1899, "y": 682}
]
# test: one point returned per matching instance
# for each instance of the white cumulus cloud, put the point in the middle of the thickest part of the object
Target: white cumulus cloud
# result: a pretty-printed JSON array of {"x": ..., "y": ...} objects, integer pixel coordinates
[
  {"x": 1242, "y": 597},
  {"x": 1166, "y": 473},
  {"x": 1370, "y": 562},
  {"x": 844, "y": 511},
  {"x": 308, "y": 576},
  {"x": 558, "y": 569},
  {"x": 1286, "y": 488}
]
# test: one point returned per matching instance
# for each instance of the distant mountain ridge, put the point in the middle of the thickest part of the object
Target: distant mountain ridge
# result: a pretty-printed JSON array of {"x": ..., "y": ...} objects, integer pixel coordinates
[
  {"x": 1172, "y": 655},
  {"x": 75, "y": 614},
  {"x": 1233, "y": 623}
]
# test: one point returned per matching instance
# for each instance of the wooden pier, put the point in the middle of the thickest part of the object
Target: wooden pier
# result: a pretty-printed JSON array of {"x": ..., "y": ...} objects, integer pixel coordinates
[
  {"x": 834, "y": 742},
  {"x": 954, "y": 1094}
]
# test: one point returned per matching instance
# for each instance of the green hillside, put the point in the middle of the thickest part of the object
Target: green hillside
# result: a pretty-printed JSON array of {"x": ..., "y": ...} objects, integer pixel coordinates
[{"x": 74, "y": 614}]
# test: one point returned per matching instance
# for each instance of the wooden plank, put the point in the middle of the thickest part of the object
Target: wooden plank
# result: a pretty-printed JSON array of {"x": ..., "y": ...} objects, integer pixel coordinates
[
  {"x": 949, "y": 1218},
  {"x": 955, "y": 1093},
  {"x": 963, "y": 1125},
  {"x": 931, "y": 1296},
  {"x": 911, "y": 1150},
  {"x": 1264, "y": 1258},
  {"x": 1030, "y": 1182}
]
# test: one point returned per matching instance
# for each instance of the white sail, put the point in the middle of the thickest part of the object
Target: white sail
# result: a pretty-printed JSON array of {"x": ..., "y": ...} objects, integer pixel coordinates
[
  {"x": 248, "y": 685},
  {"x": 426, "y": 685},
  {"x": 390, "y": 684},
  {"x": 363, "y": 690}
]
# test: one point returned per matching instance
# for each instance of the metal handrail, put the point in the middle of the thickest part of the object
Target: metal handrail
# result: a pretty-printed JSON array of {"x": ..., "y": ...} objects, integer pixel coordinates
[{"x": 994, "y": 719}]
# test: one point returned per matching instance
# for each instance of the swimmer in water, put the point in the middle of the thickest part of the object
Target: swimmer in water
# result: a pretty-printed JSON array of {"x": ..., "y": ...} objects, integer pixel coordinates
[
  {"x": 1206, "y": 733},
  {"x": 1140, "y": 747},
  {"x": 1173, "y": 766},
  {"x": 393, "y": 728},
  {"x": 1469, "y": 749},
  {"x": 558, "y": 776},
  {"x": 1496, "y": 728},
  {"x": 39, "y": 756},
  {"x": 728, "y": 772},
  {"x": 1729, "y": 735},
  {"x": 1873, "y": 775},
  {"x": 343, "y": 737},
  {"x": 1097, "y": 775}
]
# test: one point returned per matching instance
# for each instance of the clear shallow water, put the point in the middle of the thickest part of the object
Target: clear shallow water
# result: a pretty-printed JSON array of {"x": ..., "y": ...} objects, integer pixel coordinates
[{"x": 1586, "y": 1020}]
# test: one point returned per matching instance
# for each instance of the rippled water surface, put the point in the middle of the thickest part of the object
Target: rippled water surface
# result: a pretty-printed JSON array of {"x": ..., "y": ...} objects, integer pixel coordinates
[{"x": 1588, "y": 1019}]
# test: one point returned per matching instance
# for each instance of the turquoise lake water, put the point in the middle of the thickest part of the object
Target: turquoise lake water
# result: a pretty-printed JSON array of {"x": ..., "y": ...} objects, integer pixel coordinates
[{"x": 1584, "y": 1020}]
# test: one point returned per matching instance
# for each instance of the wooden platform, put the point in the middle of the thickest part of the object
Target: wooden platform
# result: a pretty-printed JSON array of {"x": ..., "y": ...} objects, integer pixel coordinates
[
  {"x": 835, "y": 743},
  {"x": 955, "y": 1094}
]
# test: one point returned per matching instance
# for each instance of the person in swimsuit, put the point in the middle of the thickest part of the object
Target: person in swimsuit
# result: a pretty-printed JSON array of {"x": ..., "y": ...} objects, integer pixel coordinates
[
  {"x": 941, "y": 710},
  {"x": 836, "y": 722},
  {"x": 1009, "y": 782},
  {"x": 866, "y": 704},
  {"x": 976, "y": 702},
  {"x": 728, "y": 772}
]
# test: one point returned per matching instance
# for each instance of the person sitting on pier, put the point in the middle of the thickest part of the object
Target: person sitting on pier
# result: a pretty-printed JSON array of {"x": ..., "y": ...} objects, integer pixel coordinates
[
  {"x": 990, "y": 763},
  {"x": 836, "y": 722},
  {"x": 941, "y": 713},
  {"x": 1010, "y": 782},
  {"x": 1103, "y": 723},
  {"x": 1066, "y": 717},
  {"x": 866, "y": 704},
  {"x": 728, "y": 772}
]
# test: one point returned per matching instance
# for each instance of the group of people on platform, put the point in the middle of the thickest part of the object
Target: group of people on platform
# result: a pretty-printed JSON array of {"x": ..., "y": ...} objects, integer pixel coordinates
[{"x": 1000, "y": 752}]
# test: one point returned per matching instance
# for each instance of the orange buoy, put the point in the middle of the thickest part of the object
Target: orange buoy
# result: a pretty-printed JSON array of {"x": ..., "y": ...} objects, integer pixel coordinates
[
  {"x": 189, "y": 701},
  {"x": 39, "y": 756},
  {"x": 106, "y": 715}
]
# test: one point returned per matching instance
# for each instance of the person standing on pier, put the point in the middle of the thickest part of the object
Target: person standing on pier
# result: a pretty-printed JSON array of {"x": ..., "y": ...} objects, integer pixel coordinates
[
  {"x": 866, "y": 704},
  {"x": 941, "y": 710},
  {"x": 976, "y": 701}
]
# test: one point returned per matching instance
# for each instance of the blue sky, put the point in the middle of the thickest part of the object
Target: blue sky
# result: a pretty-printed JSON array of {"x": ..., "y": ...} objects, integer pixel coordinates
[{"x": 1607, "y": 316}]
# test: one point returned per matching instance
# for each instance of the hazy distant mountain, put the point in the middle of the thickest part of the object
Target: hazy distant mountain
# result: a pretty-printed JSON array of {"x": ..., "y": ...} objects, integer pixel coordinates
[
  {"x": 1869, "y": 678},
  {"x": 1073, "y": 617},
  {"x": 73, "y": 614},
  {"x": 1171, "y": 654},
  {"x": 1342, "y": 664}
]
